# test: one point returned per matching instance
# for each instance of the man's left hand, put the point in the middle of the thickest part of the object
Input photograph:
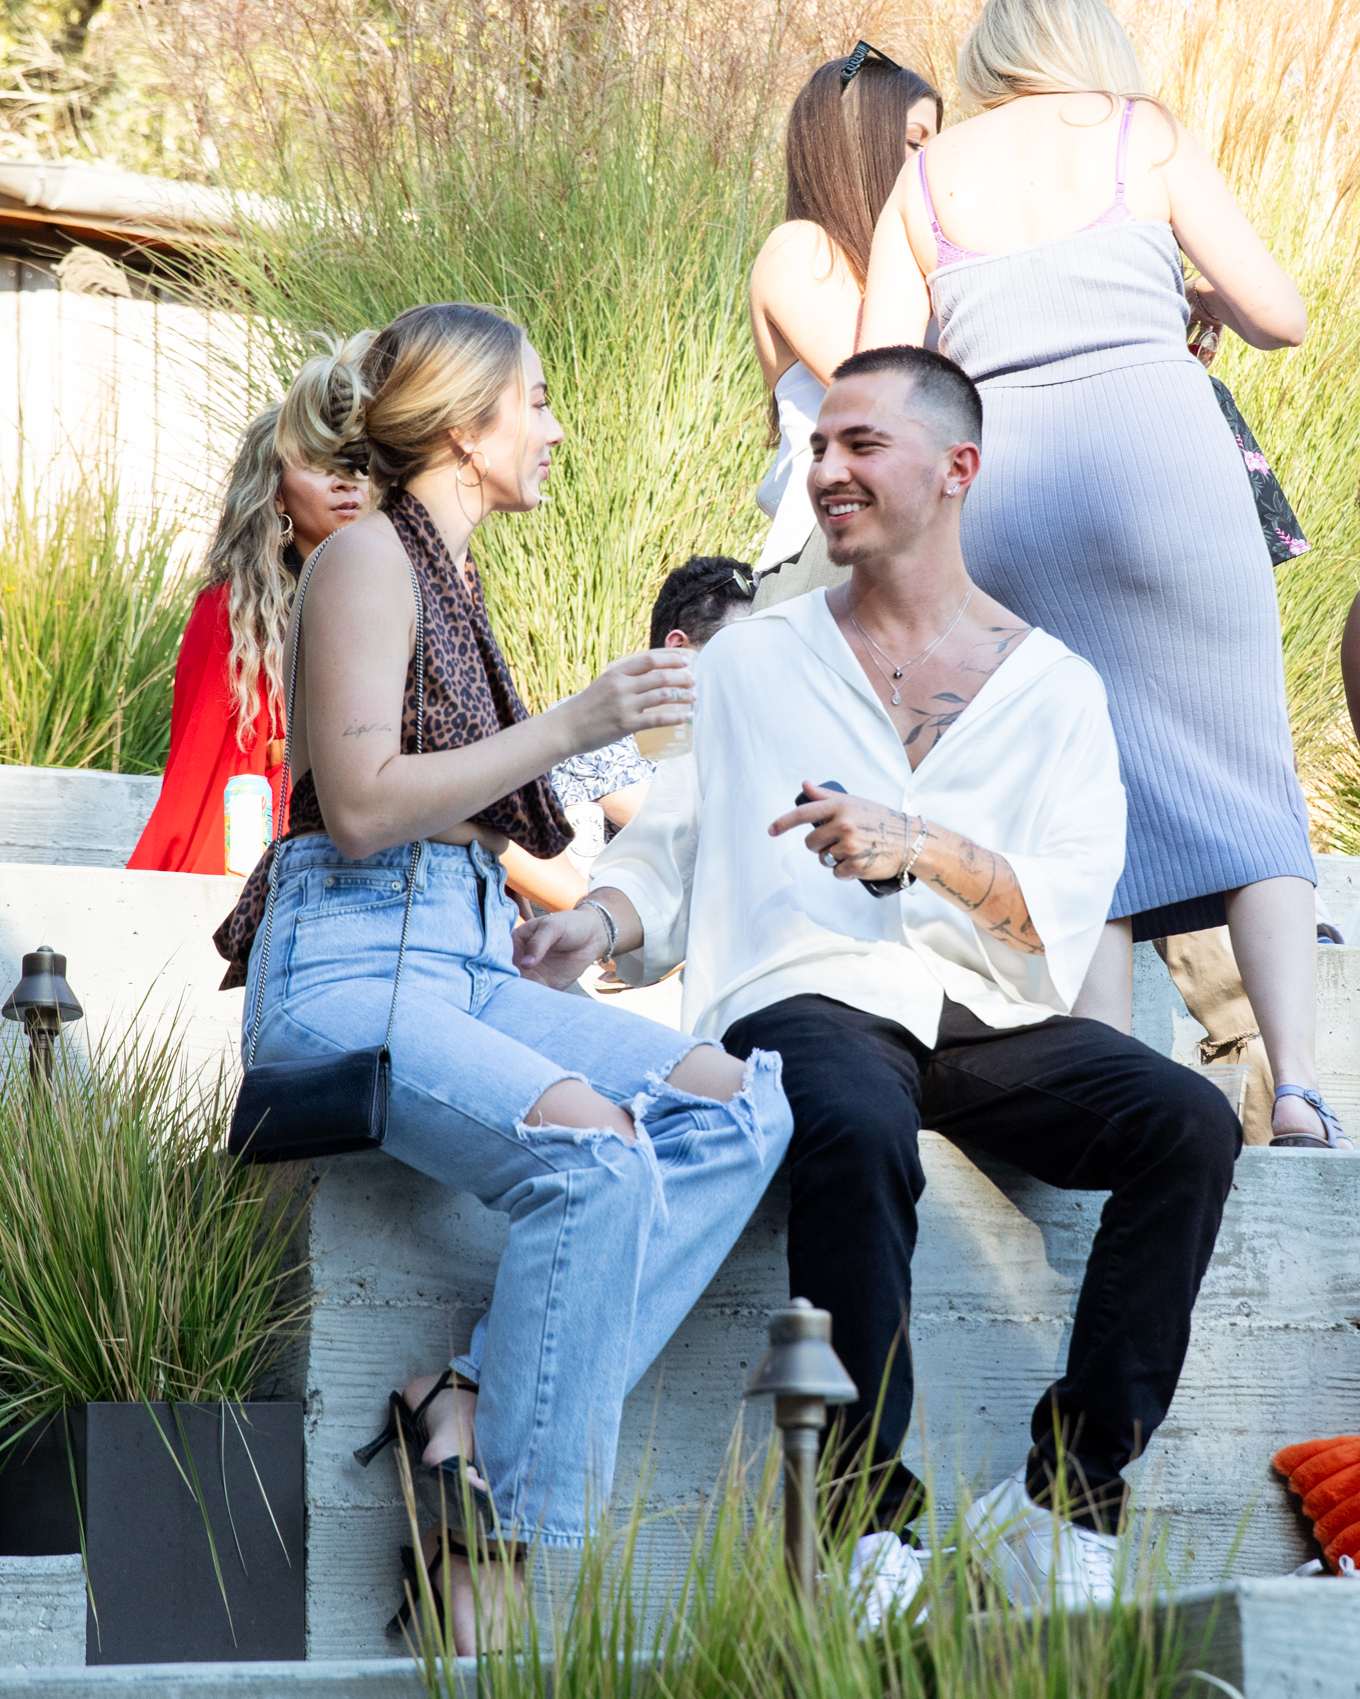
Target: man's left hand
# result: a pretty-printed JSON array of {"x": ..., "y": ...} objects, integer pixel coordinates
[{"x": 864, "y": 840}]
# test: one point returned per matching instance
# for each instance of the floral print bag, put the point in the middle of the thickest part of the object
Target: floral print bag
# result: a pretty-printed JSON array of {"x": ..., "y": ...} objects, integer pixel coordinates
[{"x": 1284, "y": 536}]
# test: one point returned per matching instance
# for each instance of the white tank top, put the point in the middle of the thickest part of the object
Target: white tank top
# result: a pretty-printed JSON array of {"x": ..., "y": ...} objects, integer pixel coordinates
[{"x": 783, "y": 492}]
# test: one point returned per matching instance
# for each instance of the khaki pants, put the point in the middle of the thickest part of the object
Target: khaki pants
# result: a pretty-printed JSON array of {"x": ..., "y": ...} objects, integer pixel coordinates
[{"x": 1204, "y": 970}]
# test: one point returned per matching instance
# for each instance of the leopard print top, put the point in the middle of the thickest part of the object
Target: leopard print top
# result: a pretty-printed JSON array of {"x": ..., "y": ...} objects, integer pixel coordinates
[{"x": 469, "y": 695}]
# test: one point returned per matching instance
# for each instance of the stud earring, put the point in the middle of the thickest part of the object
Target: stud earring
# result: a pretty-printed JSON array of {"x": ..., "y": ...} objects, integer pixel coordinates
[{"x": 951, "y": 490}]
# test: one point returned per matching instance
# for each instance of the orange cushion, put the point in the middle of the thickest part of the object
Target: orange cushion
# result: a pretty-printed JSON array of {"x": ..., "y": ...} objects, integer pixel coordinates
[
  {"x": 1327, "y": 1528},
  {"x": 1333, "y": 1491},
  {"x": 1288, "y": 1460},
  {"x": 1346, "y": 1544},
  {"x": 1326, "y": 1475},
  {"x": 1341, "y": 1454}
]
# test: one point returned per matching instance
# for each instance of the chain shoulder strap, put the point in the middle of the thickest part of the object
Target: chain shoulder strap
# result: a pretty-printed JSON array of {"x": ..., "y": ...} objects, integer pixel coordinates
[{"x": 285, "y": 797}]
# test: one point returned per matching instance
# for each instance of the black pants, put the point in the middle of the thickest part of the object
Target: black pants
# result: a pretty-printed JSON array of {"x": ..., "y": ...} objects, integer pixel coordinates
[{"x": 1070, "y": 1101}]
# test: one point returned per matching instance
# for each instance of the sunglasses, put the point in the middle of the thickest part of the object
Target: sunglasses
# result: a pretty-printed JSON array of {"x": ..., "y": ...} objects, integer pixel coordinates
[{"x": 862, "y": 55}]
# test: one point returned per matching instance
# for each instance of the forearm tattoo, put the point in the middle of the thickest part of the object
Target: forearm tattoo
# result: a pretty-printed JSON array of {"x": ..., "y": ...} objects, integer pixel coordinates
[{"x": 981, "y": 883}]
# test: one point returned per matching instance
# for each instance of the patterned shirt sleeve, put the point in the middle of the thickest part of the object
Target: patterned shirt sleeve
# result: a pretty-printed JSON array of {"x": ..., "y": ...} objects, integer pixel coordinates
[{"x": 600, "y": 772}]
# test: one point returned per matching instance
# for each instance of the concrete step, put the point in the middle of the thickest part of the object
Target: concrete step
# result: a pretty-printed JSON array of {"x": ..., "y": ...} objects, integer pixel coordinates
[
  {"x": 1265, "y": 1639},
  {"x": 403, "y": 1269},
  {"x": 337, "y": 1679},
  {"x": 42, "y": 1611},
  {"x": 73, "y": 816}
]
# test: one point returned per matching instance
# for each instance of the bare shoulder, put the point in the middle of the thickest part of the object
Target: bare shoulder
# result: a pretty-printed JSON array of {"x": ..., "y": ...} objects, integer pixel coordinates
[
  {"x": 798, "y": 247},
  {"x": 362, "y": 575},
  {"x": 367, "y": 553}
]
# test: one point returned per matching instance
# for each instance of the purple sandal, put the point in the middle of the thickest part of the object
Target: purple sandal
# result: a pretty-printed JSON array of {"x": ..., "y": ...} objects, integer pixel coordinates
[{"x": 1336, "y": 1138}]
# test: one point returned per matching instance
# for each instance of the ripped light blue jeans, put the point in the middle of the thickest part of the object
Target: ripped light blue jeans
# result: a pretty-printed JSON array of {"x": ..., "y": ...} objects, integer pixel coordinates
[{"x": 610, "y": 1243}]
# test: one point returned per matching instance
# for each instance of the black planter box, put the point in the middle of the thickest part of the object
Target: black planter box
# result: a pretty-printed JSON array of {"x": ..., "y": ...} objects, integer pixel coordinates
[{"x": 145, "y": 1499}]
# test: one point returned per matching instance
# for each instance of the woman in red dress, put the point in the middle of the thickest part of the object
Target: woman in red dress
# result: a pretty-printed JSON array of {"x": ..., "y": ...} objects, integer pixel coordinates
[{"x": 227, "y": 716}]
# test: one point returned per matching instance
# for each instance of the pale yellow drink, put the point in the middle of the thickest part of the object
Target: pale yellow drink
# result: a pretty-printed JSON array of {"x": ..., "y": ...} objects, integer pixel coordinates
[{"x": 659, "y": 743}]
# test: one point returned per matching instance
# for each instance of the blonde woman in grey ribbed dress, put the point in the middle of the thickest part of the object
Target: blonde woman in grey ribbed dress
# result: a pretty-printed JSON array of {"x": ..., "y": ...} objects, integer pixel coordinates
[{"x": 1114, "y": 509}]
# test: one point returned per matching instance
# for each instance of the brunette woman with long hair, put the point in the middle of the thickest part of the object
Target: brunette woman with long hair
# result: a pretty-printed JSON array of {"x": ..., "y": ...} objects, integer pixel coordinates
[
  {"x": 227, "y": 715},
  {"x": 851, "y": 127},
  {"x": 627, "y": 1156}
]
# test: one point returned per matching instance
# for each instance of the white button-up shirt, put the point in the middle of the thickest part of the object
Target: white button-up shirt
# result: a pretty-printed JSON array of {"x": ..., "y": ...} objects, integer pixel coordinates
[{"x": 1029, "y": 769}]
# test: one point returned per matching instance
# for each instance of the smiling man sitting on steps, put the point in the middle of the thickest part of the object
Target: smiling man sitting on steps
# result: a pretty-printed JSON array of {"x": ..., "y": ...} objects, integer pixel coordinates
[{"x": 917, "y": 966}]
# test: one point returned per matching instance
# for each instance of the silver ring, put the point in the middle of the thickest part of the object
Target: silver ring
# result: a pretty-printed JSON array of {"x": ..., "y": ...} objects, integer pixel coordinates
[{"x": 827, "y": 859}]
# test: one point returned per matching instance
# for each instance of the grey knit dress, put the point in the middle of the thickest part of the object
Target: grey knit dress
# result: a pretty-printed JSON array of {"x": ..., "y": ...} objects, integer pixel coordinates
[{"x": 1114, "y": 510}]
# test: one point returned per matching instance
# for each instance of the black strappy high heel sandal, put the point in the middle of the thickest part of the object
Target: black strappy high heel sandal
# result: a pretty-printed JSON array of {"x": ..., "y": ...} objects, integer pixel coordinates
[
  {"x": 446, "y": 1483},
  {"x": 491, "y": 1551}
]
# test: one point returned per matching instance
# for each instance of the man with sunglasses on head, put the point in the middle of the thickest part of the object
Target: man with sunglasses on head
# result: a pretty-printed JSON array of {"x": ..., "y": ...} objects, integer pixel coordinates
[
  {"x": 910, "y": 934},
  {"x": 603, "y": 789}
]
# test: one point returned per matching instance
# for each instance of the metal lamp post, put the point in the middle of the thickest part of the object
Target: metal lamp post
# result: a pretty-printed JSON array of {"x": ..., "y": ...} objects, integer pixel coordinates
[
  {"x": 804, "y": 1375},
  {"x": 45, "y": 1003}
]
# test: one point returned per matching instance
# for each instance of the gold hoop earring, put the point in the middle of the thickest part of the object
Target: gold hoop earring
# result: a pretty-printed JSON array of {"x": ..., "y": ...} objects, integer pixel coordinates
[
  {"x": 285, "y": 529},
  {"x": 469, "y": 461}
]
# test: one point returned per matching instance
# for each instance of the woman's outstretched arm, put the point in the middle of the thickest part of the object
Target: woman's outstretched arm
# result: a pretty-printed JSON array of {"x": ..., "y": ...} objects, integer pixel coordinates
[{"x": 359, "y": 635}]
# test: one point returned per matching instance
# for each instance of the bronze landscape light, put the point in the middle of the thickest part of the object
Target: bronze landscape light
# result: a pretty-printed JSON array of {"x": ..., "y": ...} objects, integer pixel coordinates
[
  {"x": 804, "y": 1375},
  {"x": 45, "y": 1003}
]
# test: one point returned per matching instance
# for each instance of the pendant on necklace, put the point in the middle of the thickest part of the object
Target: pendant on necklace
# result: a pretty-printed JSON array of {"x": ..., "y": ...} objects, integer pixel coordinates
[
  {"x": 897, "y": 699},
  {"x": 897, "y": 672}
]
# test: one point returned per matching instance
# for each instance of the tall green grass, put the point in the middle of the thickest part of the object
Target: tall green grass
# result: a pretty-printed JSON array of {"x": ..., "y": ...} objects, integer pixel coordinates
[
  {"x": 606, "y": 175},
  {"x": 724, "y": 1622},
  {"x": 587, "y": 173},
  {"x": 136, "y": 1262},
  {"x": 92, "y": 608}
]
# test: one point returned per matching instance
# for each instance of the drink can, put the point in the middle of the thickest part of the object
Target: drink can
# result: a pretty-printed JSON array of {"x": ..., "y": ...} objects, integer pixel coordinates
[{"x": 249, "y": 808}]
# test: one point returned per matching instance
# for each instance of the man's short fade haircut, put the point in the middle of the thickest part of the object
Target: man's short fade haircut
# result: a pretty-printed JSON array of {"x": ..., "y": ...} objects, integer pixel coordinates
[{"x": 940, "y": 389}]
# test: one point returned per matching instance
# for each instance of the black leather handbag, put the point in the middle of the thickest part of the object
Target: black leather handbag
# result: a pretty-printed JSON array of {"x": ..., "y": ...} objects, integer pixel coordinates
[{"x": 293, "y": 1111}]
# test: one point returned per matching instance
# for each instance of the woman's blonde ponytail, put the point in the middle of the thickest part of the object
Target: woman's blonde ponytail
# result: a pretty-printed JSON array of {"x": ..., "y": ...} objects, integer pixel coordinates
[{"x": 321, "y": 423}]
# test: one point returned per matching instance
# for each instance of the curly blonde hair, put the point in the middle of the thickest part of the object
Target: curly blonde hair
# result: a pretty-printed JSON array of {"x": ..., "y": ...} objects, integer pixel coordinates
[{"x": 247, "y": 555}]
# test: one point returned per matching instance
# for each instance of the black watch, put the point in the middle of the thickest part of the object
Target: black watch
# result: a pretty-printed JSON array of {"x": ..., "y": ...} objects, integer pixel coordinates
[{"x": 893, "y": 887}]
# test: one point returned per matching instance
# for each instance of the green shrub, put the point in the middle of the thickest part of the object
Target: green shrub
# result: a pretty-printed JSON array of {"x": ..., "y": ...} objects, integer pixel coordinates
[
  {"x": 92, "y": 608},
  {"x": 136, "y": 1261}
]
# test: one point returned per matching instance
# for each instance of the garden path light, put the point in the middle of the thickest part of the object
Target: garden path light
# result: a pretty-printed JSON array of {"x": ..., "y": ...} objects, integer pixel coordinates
[
  {"x": 804, "y": 1375},
  {"x": 45, "y": 1003}
]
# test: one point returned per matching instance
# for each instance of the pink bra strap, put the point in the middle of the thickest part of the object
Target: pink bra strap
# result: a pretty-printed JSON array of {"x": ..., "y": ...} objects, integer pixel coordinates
[
  {"x": 925, "y": 192},
  {"x": 1120, "y": 155}
]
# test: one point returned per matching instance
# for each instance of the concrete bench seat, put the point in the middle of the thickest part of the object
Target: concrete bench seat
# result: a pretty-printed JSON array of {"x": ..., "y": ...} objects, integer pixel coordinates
[{"x": 404, "y": 1268}]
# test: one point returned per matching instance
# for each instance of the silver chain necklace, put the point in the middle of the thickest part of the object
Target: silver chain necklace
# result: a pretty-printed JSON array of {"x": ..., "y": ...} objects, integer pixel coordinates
[{"x": 900, "y": 668}]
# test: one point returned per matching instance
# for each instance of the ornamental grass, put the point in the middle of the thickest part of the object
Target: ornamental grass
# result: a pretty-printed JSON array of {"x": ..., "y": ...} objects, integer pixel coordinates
[
  {"x": 697, "y": 1603},
  {"x": 92, "y": 608},
  {"x": 606, "y": 175},
  {"x": 137, "y": 1263}
]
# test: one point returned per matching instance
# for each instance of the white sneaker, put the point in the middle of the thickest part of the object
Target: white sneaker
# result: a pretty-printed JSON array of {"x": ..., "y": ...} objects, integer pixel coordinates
[
  {"x": 1039, "y": 1559},
  {"x": 885, "y": 1575}
]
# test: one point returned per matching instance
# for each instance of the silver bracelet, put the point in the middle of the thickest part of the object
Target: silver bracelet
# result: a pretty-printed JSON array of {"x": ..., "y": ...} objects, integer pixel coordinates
[
  {"x": 610, "y": 927},
  {"x": 916, "y": 848}
]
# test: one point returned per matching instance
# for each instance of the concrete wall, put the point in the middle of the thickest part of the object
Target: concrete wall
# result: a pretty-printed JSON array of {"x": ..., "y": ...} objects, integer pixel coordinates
[
  {"x": 403, "y": 1270},
  {"x": 149, "y": 392},
  {"x": 42, "y": 1611},
  {"x": 135, "y": 944},
  {"x": 73, "y": 816}
]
